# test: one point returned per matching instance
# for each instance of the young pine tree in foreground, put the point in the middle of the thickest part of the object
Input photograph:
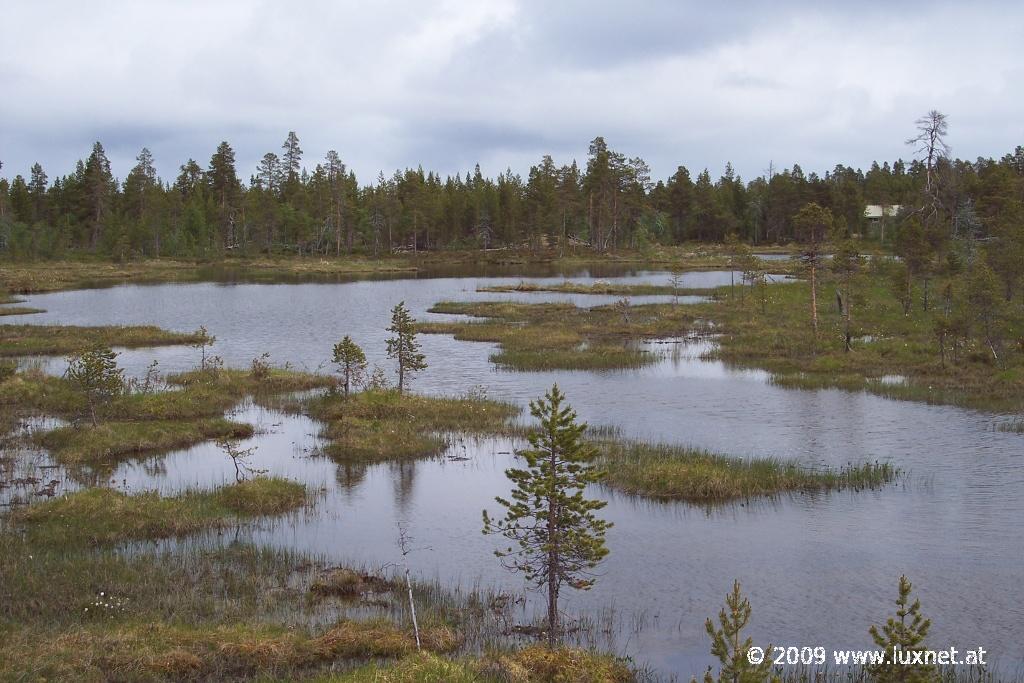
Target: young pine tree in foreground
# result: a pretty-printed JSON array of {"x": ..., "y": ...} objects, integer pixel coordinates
[
  {"x": 728, "y": 645},
  {"x": 403, "y": 347},
  {"x": 351, "y": 362},
  {"x": 904, "y": 632},
  {"x": 558, "y": 537},
  {"x": 96, "y": 375}
]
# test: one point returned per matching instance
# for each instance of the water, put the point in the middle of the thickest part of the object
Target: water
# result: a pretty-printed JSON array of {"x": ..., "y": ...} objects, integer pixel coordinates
[{"x": 817, "y": 569}]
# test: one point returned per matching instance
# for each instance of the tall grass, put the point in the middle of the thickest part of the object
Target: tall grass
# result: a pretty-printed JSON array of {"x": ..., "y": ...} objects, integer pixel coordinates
[
  {"x": 101, "y": 516},
  {"x": 696, "y": 475}
]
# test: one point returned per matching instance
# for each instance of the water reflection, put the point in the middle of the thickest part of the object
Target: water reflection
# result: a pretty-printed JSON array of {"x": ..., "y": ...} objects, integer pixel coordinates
[{"x": 818, "y": 569}]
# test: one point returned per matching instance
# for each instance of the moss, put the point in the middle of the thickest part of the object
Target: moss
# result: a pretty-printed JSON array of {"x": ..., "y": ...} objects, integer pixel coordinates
[
  {"x": 695, "y": 475},
  {"x": 111, "y": 442},
  {"x": 102, "y": 516}
]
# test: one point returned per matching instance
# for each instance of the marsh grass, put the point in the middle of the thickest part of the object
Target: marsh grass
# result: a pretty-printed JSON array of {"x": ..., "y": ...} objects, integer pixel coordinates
[
  {"x": 110, "y": 443},
  {"x": 1015, "y": 426},
  {"x": 100, "y": 516},
  {"x": 376, "y": 425},
  {"x": 886, "y": 342},
  {"x": 175, "y": 652},
  {"x": 48, "y": 276},
  {"x": 779, "y": 339},
  {"x": 528, "y": 665},
  {"x": 598, "y": 288},
  {"x": 699, "y": 476},
  {"x": 19, "y": 310},
  {"x": 562, "y": 336},
  {"x": 49, "y": 340}
]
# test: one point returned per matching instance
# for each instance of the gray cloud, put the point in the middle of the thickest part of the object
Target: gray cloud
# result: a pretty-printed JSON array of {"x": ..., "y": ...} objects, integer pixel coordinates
[{"x": 448, "y": 84}]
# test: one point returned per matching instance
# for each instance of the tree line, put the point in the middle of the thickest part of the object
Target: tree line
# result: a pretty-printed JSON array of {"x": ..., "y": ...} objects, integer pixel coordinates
[{"x": 609, "y": 203}]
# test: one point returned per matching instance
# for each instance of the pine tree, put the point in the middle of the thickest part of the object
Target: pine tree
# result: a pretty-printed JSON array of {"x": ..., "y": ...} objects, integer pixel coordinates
[
  {"x": 558, "y": 537},
  {"x": 96, "y": 375},
  {"x": 351, "y": 361},
  {"x": 729, "y": 647},
  {"x": 904, "y": 632},
  {"x": 403, "y": 347},
  {"x": 812, "y": 225}
]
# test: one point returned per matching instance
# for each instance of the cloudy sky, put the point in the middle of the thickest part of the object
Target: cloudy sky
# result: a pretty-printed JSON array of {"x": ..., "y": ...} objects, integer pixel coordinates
[{"x": 447, "y": 84}]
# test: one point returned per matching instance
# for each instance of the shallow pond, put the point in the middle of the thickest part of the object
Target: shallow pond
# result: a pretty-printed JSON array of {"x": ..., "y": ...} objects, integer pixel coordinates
[{"x": 818, "y": 569}]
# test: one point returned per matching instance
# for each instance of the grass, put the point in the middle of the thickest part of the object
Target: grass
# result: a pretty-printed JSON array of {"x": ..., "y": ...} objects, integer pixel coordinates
[
  {"x": 202, "y": 394},
  {"x": 109, "y": 443},
  {"x": 699, "y": 476},
  {"x": 783, "y": 342},
  {"x": 19, "y": 310},
  {"x": 779, "y": 339},
  {"x": 562, "y": 336},
  {"x": 51, "y": 340},
  {"x": 48, "y": 276},
  {"x": 528, "y": 665},
  {"x": 597, "y": 288},
  {"x": 174, "y": 652},
  {"x": 376, "y": 425},
  {"x": 100, "y": 516}
]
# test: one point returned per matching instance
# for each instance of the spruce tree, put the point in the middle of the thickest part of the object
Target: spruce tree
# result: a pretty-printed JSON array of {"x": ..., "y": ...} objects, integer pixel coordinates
[
  {"x": 351, "y": 361},
  {"x": 403, "y": 347},
  {"x": 904, "y": 632},
  {"x": 559, "y": 538},
  {"x": 96, "y": 375},
  {"x": 728, "y": 645}
]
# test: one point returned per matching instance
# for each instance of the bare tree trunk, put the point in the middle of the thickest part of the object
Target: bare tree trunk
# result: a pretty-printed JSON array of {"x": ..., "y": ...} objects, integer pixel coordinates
[
  {"x": 412, "y": 607},
  {"x": 814, "y": 298}
]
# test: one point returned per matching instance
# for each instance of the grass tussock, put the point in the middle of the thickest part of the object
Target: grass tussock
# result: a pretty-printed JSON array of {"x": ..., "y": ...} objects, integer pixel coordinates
[
  {"x": 50, "y": 340},
  {"x": 345, "y": 583},
  {"x": 377, "y": 425},
  {"x": 100, "y": 516},
  {"x": 694, "y": 475},
  {"x": 110, "y": 443}
]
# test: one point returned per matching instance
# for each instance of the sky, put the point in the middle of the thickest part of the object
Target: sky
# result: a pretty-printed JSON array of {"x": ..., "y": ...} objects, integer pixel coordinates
[{"x": 449, "y": 84}]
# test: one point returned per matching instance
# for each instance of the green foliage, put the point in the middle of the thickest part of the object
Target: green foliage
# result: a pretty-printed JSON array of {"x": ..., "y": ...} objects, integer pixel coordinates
[
  {"x": 96, "y": 375},
  {"x": 558, "y": 536},
  {"x": 100, "y": 516},
  {"x": 729, "y": 646},
  {"x": 351, "y": 362},
  {"x": 904, "y": 632},
  {"x": 403, "y": 346},
  {"x": 201, "y": 340}
]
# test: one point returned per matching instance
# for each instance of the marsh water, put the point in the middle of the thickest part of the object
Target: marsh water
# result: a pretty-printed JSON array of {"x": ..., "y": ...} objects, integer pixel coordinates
[{"x": 818, "y": 569}]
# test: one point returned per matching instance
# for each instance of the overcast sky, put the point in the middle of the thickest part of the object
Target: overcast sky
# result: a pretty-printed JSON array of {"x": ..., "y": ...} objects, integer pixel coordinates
[{"x": 450, "y": 84}]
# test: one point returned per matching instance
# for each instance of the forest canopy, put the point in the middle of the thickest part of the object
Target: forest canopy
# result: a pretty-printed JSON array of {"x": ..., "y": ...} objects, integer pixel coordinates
[{"x": 611, "y": 202}]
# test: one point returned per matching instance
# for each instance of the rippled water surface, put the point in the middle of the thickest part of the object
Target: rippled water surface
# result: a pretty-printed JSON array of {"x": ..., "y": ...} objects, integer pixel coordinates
[{"x": 818, "y": 569}]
